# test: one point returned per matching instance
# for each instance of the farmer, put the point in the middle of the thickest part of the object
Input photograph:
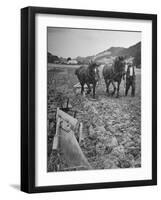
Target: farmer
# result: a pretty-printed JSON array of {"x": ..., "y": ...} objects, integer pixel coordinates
[{"x": 130, "y": 79}]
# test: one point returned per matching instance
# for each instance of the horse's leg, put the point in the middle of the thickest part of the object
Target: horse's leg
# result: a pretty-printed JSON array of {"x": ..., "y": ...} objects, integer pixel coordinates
[
  {"x": 89, "y": 88},
  {"x": 107, "y": 85},
  {"x": 82, "y": 88},
  {"x": 114, "y": 88},
  {"x": 94, "y": 87},
  {"x": 118, "y": 88}
]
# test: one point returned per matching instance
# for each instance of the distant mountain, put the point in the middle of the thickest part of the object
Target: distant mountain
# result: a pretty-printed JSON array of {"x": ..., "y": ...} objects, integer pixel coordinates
[
  {"x": 106, "y": 55},
  {"x": 133, "y": 51},
  {"x": 112, "y": 51}
]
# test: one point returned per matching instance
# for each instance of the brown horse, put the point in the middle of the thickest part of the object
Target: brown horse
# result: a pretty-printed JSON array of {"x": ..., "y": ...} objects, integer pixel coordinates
[
  {"x": 114, "y": 73},
  {"x": 88, "y": 75}
]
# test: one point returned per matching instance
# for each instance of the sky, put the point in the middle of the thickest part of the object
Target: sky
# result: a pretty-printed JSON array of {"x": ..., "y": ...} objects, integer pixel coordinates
[{"x": 68, "y": 42}]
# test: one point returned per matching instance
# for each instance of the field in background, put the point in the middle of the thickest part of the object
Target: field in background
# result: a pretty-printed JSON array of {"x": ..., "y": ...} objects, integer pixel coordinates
[{"x": 111, "y": 126}]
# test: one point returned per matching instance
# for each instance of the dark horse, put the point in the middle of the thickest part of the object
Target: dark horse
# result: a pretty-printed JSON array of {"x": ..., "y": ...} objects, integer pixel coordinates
[
  {"x": 88, "y": 75},
  {"x": 114, "y": 73}
]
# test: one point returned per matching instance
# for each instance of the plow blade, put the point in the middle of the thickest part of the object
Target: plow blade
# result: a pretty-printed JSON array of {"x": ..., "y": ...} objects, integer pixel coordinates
[
  {"x": 71, "y": 151},
  {"x": 65, "y": 142}
]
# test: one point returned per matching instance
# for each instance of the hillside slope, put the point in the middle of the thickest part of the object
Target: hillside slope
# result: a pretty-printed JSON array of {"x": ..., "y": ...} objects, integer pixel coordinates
[
  {"x": 132, "y": 51},
  {"x": 106, "y": 55}
]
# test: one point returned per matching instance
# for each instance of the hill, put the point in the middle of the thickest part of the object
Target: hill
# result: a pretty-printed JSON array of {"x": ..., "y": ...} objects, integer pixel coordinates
[
  {"x": 112, "y": 51},
  {"x": 106, "y": 55},
  {"x": 132, "y": 51}
]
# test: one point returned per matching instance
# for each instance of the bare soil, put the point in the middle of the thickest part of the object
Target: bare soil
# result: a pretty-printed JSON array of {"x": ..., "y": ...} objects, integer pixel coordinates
[{"x": 111, "y": 126}]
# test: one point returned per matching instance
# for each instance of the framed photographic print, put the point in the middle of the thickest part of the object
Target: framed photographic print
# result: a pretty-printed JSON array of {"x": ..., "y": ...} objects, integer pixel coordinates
[{"x": 88, "y": 99}]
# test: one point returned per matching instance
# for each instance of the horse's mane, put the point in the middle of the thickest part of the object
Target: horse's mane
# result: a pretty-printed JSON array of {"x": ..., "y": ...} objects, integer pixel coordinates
[
  {"x": 90, "y": 69},
  {"x": 117, "y": 62},
  {"x": 91, "y": 66}
]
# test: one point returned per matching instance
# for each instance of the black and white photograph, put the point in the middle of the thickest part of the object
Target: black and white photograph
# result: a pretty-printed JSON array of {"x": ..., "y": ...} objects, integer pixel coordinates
[
  {"x": 89, "y": 99},
  {"x": 93, "y": 99}
]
